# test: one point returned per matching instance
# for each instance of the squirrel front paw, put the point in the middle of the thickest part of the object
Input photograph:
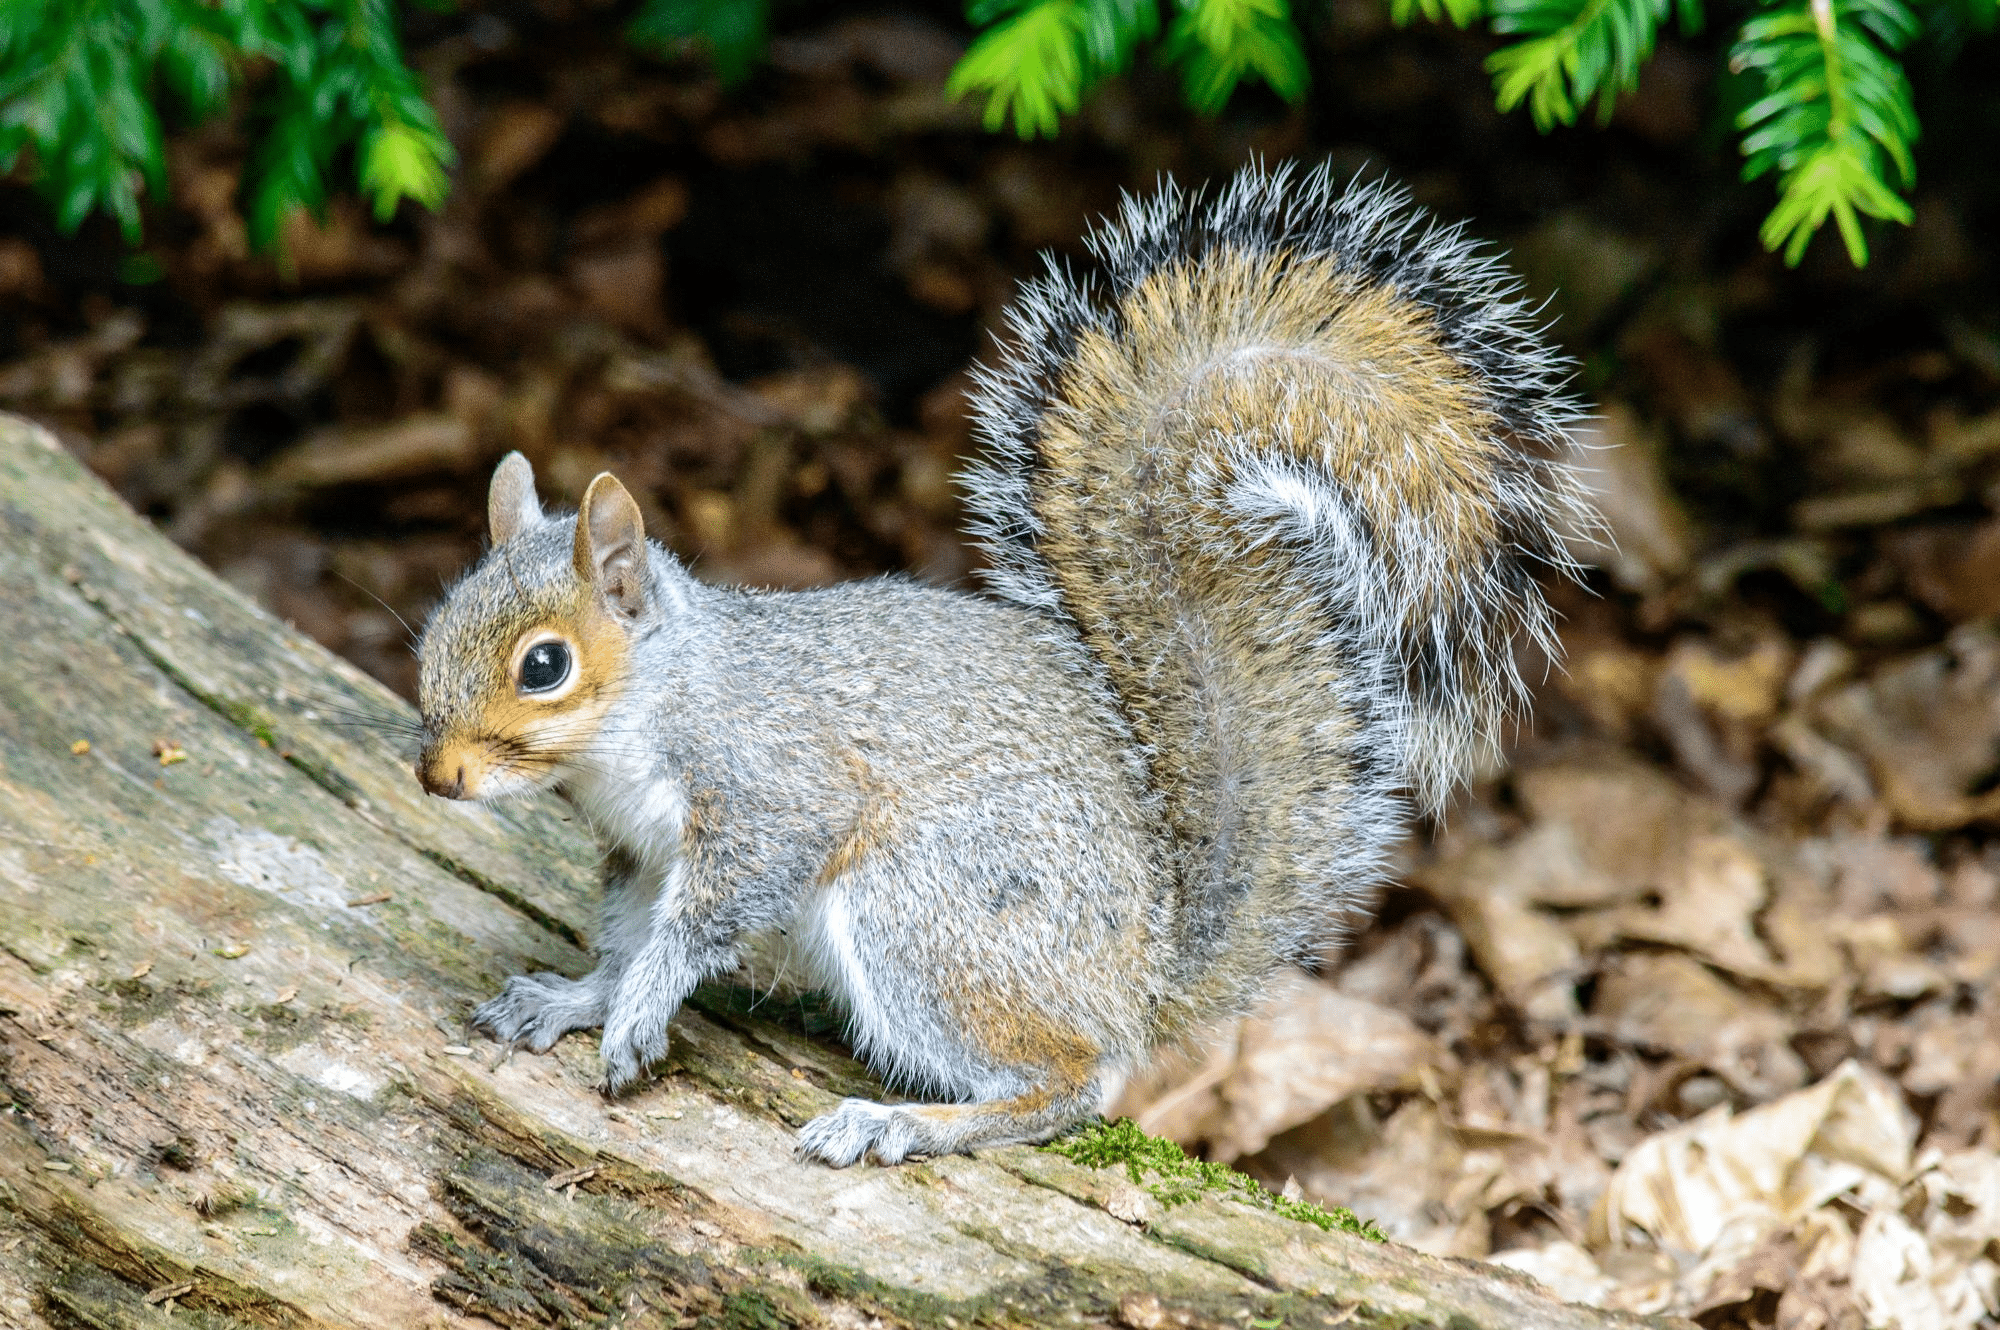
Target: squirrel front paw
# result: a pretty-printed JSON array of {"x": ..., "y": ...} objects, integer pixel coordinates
[
  {"x": 629, "y": 1047},
  {"x": 538, "y": 1009},
  {"x": 857, "y": 1128}
]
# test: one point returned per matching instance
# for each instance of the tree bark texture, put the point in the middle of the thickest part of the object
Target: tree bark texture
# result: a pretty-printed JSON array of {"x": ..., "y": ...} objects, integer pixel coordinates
[{"x": 238, "y": 949}]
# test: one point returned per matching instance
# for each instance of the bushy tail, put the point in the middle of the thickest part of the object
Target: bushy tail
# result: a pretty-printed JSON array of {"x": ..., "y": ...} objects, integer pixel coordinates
[{"x": 1285, "y": 460}]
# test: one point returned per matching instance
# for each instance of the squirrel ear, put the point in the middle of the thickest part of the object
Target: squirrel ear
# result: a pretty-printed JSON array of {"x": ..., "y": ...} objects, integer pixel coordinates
[
  {"x": 610, "y": 551},
  {"x": 511, "y": 505}
]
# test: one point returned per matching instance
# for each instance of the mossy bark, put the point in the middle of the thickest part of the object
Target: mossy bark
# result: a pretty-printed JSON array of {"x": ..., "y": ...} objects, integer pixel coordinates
[{"x": 237, "y": 952}]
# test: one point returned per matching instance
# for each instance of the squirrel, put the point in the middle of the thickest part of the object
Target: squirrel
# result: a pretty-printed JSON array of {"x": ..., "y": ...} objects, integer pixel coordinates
[{"x": 1261, "y": 493}]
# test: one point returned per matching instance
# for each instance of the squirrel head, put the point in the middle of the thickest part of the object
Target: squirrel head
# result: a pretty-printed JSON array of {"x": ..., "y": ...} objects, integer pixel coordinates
[{"x": 525, "y": 655}]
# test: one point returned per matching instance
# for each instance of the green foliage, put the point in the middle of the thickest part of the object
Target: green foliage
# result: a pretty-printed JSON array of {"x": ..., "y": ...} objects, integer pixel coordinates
[
  {"x": 1030, "y": 65},
  {"x": 730, "y": 31},
  {"x": 1178, "y": 1179},
  {"x": 1574, "y": 50},
  {"x": 84, "y": 85},
  {"x": 82, "y": 81},
  {"x": 1037, "y": 58},
  {"x": 1459, "y": 13},
  {"x": 1220, "y": 43},
  {"x": 1835, "y": 121}
]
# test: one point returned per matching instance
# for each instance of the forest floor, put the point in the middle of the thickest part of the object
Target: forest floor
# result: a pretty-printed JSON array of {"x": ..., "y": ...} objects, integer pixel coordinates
[{"x": 1695, "y": 1008}]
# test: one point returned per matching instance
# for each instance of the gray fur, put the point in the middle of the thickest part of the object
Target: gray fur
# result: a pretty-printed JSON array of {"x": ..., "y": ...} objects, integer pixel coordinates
[{"x": 943, "y": 804}]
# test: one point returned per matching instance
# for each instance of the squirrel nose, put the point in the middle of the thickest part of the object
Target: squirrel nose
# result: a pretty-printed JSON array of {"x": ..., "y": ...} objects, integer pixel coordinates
[{"x": 433, "y": 783}]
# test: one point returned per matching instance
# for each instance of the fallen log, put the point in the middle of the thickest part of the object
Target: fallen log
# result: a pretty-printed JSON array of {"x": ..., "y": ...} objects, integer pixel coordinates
[{"x": 238, "y": 948}]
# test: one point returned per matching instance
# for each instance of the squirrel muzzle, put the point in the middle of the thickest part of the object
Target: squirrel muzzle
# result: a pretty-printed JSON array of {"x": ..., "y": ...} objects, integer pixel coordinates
[{"x": 441, "y": 772}]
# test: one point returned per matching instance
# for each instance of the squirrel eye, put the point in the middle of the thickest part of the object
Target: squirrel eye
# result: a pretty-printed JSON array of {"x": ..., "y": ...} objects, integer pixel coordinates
[{"x": 545, "y": 666}]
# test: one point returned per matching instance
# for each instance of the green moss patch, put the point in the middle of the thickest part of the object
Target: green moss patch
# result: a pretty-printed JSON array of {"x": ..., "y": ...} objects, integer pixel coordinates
[{"x": 1178, "y": 1178}]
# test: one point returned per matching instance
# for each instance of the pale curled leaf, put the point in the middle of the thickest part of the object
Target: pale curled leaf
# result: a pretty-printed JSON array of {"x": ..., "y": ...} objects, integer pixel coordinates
[{"x": 1685, "y": 1188}]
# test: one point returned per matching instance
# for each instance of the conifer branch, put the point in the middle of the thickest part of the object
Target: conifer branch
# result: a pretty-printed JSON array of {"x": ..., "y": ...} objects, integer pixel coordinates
[
  {"x": 85, "y": 84},
  {"x": 81, "y": 82},
  {"x": 1575, "y": 50},
  {"x": 1835, "y": 121}
]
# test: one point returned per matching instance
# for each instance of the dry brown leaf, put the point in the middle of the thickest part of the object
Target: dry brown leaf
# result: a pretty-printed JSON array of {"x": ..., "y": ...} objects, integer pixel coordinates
[
  {"x": 1531, "y": 959},
  {"x": 1960, "y": 1214},
  {"x": 1835, "y": 772},
  {"x": 1956, "y": 1058},
  {"x": 1490, "y": 891},
  {"x": 1719, "y": 888},
  {"x": 1727, "y": 902},
  {"x": 1179, "y": 1094},
  {"x": 1724, "y": 768},
  {"x": 1746, "y": 1175},
  {"x": 1673, "y": 1002},
  {"x": 339, "y": 244},
  {"x": 1901, "y": 1284},
  {"x": 1877, "y": 505},
  {"x": 1497, "y": 1169},
  {"x": 1395, "y": 1172},
  {"x": 1881, "y": 951},
  {"x": 1611, "y": 681},
  {"x": 1713, "y": 706},
  {"x": 1311, "y": 1047},
  {"x": 1627, "y": 817},
  {"x": 1804, "y": 1270},
  {"x": 1870, "y": 874},
  {"x": 514, "y": 137},
  {"x": 1794, "y": 924},
  {"x": 413, "y": 446},
  {"x": 1742, "y": 688},
  {"x": 1929, "y": 727},
  {"x": 1954, "y": 570}
]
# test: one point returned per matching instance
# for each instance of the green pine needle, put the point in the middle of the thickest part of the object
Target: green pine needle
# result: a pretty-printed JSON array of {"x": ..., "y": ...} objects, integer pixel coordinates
[
  {"x": 1459, "y": 13},
  {"x": 1038, "y": 57},
  {"x": 1220, "y": 43},
  {"x": 81, "y": 83},
  {"x": 74, "y": 100},
  {"x": 1031, "y": 67},
  {"x": 1574, "y": 50},
  {"x": 1112, "y": 29},
  {"x": 400, "y": 161},
  {"x": 1836, "y": 122}
]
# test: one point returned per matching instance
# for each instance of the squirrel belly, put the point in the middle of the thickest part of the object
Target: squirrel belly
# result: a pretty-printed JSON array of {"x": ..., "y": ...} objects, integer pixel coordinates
[{"x": 1262, "y": 493}]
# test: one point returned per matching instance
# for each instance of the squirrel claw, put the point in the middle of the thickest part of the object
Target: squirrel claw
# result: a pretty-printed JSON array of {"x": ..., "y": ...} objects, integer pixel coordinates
[{"x": 627, "y": 1053}]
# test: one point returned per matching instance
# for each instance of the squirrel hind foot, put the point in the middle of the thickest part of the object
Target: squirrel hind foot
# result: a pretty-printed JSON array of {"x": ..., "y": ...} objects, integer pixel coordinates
[{"x": 892, "y": 1133}]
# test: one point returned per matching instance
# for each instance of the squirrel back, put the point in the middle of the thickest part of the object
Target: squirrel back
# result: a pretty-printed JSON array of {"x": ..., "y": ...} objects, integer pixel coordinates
[{"x": 1284, "y": 461}]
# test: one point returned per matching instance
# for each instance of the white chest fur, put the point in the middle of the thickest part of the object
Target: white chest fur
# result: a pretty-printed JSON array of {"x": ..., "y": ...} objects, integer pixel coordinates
[{"x": 636, "y": 805}]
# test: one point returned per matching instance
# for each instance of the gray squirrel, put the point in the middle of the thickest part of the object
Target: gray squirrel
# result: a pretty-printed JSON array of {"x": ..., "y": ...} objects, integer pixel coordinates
[{"x": 1261, "y": 494}]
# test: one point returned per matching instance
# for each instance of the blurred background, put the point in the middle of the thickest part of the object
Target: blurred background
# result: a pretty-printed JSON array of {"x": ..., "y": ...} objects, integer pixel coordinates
[{"x": 1694, "y": 1008}]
